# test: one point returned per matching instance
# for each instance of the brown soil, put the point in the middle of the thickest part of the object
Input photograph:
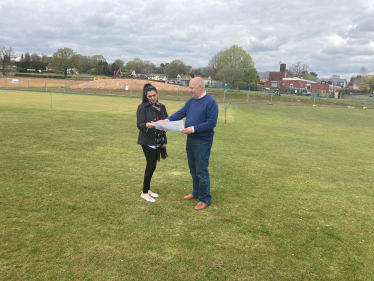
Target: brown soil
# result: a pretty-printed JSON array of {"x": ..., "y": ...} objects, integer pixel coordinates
[{"x": 122, "y": 83}]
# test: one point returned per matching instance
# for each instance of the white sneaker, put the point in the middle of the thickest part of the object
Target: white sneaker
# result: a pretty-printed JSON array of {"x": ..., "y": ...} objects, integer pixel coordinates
[
  {"x": 155, "y": 195},
  {"x": 149, "y": 200}
]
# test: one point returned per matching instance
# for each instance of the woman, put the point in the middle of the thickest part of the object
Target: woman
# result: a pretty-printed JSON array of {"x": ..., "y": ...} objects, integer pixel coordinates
[{"x": 152, "y": 140}]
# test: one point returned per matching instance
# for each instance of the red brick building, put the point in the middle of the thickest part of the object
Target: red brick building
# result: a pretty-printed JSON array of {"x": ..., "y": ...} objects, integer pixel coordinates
[
  {"x": 280, "y": 80},
  {"x": 303, "y": 84},
  {"x": 275, "y": 78}
]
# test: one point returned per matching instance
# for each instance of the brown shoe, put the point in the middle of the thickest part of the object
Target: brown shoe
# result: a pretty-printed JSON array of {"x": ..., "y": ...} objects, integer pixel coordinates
[
  {"x": 201, "y": 206},
  {"x": 189, "y": 196}
]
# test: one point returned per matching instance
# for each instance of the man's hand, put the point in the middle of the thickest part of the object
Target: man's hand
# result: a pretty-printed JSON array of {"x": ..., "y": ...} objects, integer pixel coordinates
[{"x": 187, "y": 131}]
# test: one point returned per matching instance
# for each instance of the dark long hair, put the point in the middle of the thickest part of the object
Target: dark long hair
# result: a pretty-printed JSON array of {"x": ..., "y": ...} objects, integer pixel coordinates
[{"x": 148, "y": 87}]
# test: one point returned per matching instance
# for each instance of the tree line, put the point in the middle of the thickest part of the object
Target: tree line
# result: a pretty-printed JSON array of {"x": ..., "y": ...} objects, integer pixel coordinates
[{"x": 230, "y": 65}]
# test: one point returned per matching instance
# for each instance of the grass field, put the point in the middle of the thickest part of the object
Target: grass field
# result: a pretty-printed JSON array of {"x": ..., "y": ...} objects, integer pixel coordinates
[
  {"x": 111, "y": 88},
  {"x": 292, "y": 192}
]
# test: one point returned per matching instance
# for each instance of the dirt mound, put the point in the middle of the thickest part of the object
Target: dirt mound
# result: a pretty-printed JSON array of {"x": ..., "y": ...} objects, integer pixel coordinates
[{"x": 136, "y": 84}]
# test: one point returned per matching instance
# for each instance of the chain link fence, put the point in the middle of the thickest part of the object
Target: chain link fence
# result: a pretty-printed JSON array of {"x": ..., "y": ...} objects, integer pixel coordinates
[{"x": 233, "y": 93}]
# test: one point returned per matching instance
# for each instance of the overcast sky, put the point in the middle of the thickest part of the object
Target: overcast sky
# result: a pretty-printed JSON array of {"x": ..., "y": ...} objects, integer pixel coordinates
[{"x": 333, "y": 37}]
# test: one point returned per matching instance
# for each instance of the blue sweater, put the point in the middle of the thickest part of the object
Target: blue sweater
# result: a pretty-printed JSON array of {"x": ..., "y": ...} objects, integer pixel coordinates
[{"x": 200, "y": 113}]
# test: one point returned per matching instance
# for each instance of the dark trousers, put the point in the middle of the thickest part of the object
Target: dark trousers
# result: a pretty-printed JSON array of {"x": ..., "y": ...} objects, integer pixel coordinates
[
  {"x": 198, "y": 153},
  {"x": 151, "y": 157}
]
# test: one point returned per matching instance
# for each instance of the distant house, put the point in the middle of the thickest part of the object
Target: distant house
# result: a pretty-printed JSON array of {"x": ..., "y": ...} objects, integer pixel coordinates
[
  {"x": 157, "y": 77},
  {"x": 134, "y": 74},
  {"x": 184, "y": 77},
  {"x": 264, "y": 76},
  {"x": 354, "y": 82},
  {"x": 153, "y": 77},
  {"x": 340, "y": 83}
]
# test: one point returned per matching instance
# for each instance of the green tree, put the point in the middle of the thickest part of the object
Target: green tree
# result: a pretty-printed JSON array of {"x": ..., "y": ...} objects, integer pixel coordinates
[
  {"x": 127, "y": 66},
  {"x": 314, "y": 74},
  {"x": 63, "y": 59},
  {"x": 119, "y": 63},
  {"x": 104, "y": 68},
  {"x": 298, "y": 70},
  {"x": 137, "y": 65},
  {"x": 149, "y": 67},
  {"x": 6, "y": 55},
  {"x": 38, "y": 65},
  {"x": 308, "y": 76},
  {"x": 25, "y": 62},
  {"x": 252, "y": 76},
  {"x": 174, "y": 68},
  {"x": 27, "y": 58},
  {"x": 366, "y": 83},
  {"x": 35, "y": 57},
  {"x": 114, "y": 67},
  {"x": 85, "y": 63},
  {"x": 211, "y": 69},
  {"x": 363, "y": 70},
  {"x": 234, "y": 65},
  {"x": 98, "y": 62}
]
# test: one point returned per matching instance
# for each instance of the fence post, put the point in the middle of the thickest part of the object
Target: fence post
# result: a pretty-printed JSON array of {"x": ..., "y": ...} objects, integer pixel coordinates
[
  {"x": 65, "y": 87},
  {"x": 178, "y": 93},
  {"x": 7, "y": 83},
  {"x": 314, "y": 99},
  {"x": 87, "y": 88},
  {"x": 271, "y": 98},
  {"x": 28, "y": 84},
  {"x": 46, "y": 85},
  {"x": 131, "y": 92},
  {"x": 291, "y": 99},
  {"x": 248, "y": 97},
  {"x": 224, "y": 96},
  {"x": 109, "y": 88}
]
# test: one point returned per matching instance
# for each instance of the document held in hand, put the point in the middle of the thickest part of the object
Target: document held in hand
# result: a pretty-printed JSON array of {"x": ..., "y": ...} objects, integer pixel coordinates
[{"x": 171, "y": 126}]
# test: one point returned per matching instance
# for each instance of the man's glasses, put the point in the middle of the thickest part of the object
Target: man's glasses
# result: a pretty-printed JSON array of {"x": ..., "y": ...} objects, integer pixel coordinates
[{"x": 152, "y": 96}]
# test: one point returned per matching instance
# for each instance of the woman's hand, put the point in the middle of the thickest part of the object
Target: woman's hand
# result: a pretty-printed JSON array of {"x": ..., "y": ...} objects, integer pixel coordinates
[{"x": 149, "y": 125}]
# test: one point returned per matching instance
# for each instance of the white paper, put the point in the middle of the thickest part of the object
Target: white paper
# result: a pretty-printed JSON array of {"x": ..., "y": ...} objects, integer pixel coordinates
[{"x": 171, "y": 126}]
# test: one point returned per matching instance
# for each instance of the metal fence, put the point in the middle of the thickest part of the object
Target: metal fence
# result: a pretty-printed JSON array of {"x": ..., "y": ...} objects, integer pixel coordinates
[{"x": 174, "y": 92}]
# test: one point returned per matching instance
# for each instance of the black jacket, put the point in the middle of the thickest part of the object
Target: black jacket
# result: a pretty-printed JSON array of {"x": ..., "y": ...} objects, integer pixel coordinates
[{"x": 146, "y": 113}]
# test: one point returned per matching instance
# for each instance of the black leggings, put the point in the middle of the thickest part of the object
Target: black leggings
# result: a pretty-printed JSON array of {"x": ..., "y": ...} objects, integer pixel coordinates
[{"x": 151, "y": 156}]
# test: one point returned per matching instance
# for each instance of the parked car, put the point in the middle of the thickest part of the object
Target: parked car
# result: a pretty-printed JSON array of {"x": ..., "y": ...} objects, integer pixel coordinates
[{"x": 306, "y": 93}]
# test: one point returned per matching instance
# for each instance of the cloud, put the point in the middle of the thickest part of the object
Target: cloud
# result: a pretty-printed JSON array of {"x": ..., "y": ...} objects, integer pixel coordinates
[{"x": 331, "y": 36}]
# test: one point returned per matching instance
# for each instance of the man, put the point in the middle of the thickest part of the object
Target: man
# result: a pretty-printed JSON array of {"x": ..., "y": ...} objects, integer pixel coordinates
[{"x": 201, "y": 112}]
